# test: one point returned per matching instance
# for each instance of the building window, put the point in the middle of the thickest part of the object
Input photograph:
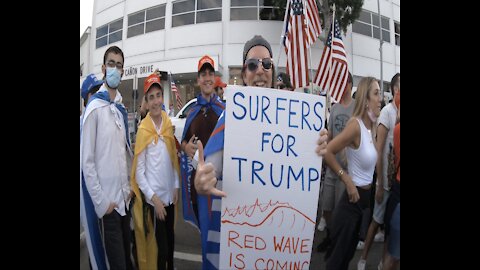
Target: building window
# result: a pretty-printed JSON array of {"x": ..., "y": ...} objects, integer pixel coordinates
[
  {"x": 145, "y": 21},
  {"x": 255, "y": 10},
  {"x": 109, "y": 33},
  {"x": 196, "y": 11},
  {"x": 397, "y": 33},
  {"x": 369, "y": 25},
  {"x": 235, "y": 76}
]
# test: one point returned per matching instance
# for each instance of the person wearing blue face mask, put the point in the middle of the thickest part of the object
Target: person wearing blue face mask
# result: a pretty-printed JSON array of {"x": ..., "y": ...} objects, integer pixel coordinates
[{"x": 105, "y": 160}]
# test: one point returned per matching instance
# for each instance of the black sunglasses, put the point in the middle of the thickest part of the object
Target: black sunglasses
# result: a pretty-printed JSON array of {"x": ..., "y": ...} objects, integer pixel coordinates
[{"x": 252, "y": 63}]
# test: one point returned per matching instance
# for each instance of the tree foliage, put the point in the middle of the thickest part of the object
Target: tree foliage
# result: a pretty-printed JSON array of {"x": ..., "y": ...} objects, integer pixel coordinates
[{"x": 346, "y": 11}]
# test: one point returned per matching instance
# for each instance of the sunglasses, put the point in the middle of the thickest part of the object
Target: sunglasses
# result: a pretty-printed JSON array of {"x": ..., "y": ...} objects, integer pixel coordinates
[{"x": 252, "y": 63}]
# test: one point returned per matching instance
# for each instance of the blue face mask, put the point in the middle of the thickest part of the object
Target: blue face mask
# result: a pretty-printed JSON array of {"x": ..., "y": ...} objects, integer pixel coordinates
[{"x": 113, "y": 77}]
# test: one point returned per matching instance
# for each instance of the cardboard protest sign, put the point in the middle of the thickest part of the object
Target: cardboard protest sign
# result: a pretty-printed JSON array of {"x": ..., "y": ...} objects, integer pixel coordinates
[{"x": 271, "y": 174}]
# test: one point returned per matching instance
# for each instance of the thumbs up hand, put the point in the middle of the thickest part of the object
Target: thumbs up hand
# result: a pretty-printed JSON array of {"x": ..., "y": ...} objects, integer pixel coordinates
[{"x": 205, "y": 179}]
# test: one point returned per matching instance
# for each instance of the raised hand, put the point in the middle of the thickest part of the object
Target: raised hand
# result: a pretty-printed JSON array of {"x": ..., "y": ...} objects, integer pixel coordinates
[{"x": 205, "y": 179}]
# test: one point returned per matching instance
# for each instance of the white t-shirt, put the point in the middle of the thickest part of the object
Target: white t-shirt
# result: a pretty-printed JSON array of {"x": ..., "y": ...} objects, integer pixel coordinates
[{"x": 387, "y": 118}]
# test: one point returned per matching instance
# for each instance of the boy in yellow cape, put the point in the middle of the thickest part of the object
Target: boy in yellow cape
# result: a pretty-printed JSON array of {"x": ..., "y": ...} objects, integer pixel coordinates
[{"x": 155, "y": 174}]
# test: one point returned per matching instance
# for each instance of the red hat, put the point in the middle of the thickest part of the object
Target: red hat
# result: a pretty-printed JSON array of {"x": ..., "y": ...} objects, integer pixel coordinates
[
  {"x": 150, "y": 80},
  {"x": 206, "y": 60},
  {"x": 218, "y": 82}
]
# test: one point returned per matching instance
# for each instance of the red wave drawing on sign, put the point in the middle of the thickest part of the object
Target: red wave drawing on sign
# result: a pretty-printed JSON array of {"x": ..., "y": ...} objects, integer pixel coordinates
[
  {"x": 248, "y": 210},
  {"x": 258, "y": 209}
]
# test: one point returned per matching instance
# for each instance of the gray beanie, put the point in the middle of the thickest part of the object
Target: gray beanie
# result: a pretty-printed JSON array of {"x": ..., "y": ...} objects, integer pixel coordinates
[{"x": 255, "y": 41}]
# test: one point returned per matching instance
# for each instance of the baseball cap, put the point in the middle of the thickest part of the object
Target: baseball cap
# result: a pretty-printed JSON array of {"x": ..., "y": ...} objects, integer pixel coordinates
[
  {"x": 150, "y": 80},
  {"x": 255, "y": 41},
  {"x": 89, "y": 82},
  {"x": 218, "y": 82},
  {"x": 206, "y": 60}
]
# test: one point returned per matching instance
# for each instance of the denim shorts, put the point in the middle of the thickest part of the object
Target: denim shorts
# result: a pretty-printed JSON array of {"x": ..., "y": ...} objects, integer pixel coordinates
[
  {"x": 379, "y": 208},
  {"x": 394, "y": 242}
]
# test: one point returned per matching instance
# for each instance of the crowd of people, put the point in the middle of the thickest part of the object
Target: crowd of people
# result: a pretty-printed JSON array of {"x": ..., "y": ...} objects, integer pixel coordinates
[{"x": 120, "y": 183}]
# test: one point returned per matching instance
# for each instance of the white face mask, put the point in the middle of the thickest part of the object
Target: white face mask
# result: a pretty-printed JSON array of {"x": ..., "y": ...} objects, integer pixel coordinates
[{"x": 372, "y": 115}]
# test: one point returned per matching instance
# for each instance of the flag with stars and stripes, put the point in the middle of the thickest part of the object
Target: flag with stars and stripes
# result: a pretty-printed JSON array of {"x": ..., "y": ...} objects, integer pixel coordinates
[
  {"x": 313, "y": 22},
  {"x": 334, "y": 60},
  {"x": 295, "y": 40},
  {"x": 177, "y": 95}
]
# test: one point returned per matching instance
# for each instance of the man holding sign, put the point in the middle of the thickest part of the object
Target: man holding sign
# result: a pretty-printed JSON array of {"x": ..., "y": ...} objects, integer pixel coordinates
[{"x": 260, "y": 230}]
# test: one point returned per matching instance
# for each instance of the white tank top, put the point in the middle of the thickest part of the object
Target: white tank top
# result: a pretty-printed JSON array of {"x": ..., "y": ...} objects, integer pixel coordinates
[{"x": 361, "y": 161}]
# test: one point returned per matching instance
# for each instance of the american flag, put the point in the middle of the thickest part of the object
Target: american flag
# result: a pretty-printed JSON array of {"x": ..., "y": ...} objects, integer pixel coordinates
[
  {"x": 314, "y": 28},
  {"x": 295, "y": 42},
  {"x": 177, "y": 95},
  {"x": 336, "y": 58}
]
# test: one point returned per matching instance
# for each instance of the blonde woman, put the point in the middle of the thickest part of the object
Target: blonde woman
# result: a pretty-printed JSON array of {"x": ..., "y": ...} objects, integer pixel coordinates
[{"x": 358, "y": 140}]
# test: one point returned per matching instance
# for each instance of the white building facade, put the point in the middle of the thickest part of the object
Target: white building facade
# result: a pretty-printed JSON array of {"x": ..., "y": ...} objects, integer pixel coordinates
[{"x": 172, "y": 35}]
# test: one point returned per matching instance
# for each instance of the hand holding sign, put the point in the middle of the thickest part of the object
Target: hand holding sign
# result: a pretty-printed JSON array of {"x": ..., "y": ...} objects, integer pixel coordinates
[
  {"x": 322, "y": 143},
  {"x": 205, "y": 179}
]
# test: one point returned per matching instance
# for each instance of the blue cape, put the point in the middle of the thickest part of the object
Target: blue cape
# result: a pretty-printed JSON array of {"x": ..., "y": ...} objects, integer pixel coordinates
[
  {"x": 212, "y": 245},
  {"x": 90, "y": 219},
  {"x": 204, "y": 203}
]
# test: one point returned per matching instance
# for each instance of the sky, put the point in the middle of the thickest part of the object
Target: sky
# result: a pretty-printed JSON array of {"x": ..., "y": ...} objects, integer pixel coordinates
[{"x": 86, "y": 9}]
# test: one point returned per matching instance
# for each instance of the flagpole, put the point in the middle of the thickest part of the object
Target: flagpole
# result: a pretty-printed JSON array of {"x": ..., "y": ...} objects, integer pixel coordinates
[
  {"x": 170, "y": 78},
  {"x": 331, "y": 64},
  {"x": 309, "y": 51},
  {"x": 135, "y": 94},
  {"x": 282, "y": 37},
  {"x": 382, "y": 91},
  {"x": 310, "y": 69}
]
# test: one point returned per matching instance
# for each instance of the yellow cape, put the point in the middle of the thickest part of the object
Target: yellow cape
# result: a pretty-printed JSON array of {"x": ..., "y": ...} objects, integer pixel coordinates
[{"x": 146, "y": 244}]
